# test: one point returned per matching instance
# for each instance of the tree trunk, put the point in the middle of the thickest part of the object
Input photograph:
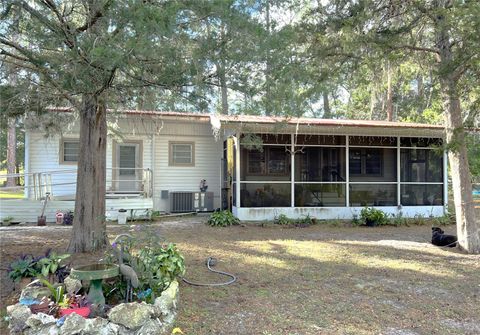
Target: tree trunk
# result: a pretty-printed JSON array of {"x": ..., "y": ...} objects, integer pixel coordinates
[
  {"x": 389, "y": 93},
  {"x": 420, "y": 94},
  {"x": 327, "y": 113},
  {"x": 11, "y": 151},
  {"x": 89, "y": 228},
  {"x": 268, "y": 100},
  {"x": 468, "y": 229}
]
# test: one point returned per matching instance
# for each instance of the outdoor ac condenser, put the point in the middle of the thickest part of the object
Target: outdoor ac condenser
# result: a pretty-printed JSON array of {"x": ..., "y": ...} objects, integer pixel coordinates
[
  {"x": 182, "y": 202},
  {"x": 203, "y": 201}
]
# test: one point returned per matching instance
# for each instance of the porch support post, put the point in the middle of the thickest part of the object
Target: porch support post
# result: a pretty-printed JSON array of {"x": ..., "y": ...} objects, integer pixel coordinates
[
  {"x": 237, "y": 171},
  {"x": 26, "y": 168},
  {"x": 292, "y": 170},
  {"x": 399, "y": 185},
  {"x": 152, "y": 172},
  {"x": 347, "y": 172},
  {"x": 445, "y": 182}
]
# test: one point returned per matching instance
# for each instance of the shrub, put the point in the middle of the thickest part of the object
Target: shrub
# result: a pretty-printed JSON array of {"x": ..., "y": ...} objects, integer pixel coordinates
[
  {"x": 223, "y": 219},
  {"x": 24, "y": 267},
  {"x": 156, "y": 264},
  {"x": 282, "y": 219},
  {"x": 372, "y": 216}
]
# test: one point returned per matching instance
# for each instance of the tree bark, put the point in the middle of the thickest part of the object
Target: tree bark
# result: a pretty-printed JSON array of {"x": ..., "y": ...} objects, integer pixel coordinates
[
  {"x": 89, "y": 228},
  {"x": 468, "y": 229},
  {"x": 11, "y": 151},
  {"x": 389, "y": 93},
  {"x": 327, "y": 113}
]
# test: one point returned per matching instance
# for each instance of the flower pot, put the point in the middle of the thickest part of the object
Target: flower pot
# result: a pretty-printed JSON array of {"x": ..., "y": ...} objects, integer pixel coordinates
[
  {"x": 82, "y": 311},
  {"x": 370, "y": 223},
  {"x": 42, "y": 221},
  {"x": 122, "y": 216}
]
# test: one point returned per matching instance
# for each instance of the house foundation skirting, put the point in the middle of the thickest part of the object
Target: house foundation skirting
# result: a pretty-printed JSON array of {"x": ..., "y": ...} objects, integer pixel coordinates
[{"x": 331, "y": 213}]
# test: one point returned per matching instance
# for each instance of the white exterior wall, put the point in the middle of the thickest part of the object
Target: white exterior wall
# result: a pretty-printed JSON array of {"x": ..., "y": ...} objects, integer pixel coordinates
[
  {"x": 331, "y": 213},
  {"x": 44, "y": 156},
  {"x": 208, "y": 154}
]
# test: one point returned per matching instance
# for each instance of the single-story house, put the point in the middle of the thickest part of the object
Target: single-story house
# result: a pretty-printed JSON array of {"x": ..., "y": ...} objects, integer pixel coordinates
[{"x": 257, "y": 166}]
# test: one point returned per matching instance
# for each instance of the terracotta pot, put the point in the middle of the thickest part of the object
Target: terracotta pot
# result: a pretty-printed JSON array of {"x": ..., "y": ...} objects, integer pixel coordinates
[{"x": 82, "y": 311}]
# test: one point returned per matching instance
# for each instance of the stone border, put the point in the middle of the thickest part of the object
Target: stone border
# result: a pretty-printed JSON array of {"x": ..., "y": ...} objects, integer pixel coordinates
[{"x": 126, "y": 319}]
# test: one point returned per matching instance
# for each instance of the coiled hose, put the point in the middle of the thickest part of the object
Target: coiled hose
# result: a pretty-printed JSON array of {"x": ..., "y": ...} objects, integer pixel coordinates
[{"x": 211, "y": 262}]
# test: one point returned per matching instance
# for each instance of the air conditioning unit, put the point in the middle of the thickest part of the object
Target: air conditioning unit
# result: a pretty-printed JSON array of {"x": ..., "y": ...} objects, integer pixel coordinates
[{"x": 182, "y": 202}]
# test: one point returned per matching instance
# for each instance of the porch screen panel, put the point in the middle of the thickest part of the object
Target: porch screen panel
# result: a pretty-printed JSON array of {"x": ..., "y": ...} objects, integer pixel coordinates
[
  {"x": 320, "y": 164},
  {"x": 265, "y": 173},
  {"x": 319, "y": 195},
  {"x": 373, "y": 195},
  {"x": 422, "y": 171},
  {"x": 372, "y": 164},
  {"x": 265, "y": 195}
]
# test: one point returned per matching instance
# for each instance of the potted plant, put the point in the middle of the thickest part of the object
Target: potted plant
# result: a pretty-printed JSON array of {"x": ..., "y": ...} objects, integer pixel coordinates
[
  {"x": 74, "y": 304},
  {"x": 373, "y": 217},
  {"x": 64, "y": 304},
  {"x": 23, "y": 270}
]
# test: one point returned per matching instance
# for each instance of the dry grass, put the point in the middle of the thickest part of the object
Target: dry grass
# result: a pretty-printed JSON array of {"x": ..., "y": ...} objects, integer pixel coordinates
[{"x": 317, "y": 280}]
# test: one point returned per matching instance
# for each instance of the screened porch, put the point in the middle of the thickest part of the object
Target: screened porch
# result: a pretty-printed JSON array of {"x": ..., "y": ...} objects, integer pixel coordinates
[{"x": 338, "y": 171}]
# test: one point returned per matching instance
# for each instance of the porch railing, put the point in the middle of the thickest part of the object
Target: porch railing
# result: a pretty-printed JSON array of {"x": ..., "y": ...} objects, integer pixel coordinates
[{"x": 40, "y": 183}]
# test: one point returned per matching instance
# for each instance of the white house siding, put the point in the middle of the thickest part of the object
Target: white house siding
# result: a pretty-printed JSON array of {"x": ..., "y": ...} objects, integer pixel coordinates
[
  {"x": 44, "y": 157},
  {"x": 208, "y": 154}
]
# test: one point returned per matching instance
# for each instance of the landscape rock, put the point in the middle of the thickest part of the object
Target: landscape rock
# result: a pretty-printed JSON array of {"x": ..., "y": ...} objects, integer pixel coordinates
[
  {"x": 72, "y": 286},
  {"x": 132, "y": 315},
  {"x": 39, "y": 319},
  {"x": 153, "y": 326},
  {"x": 34, "y": 293},
  {"x": 74, "y": 324},
  {"x": 167, "y": 300},
  {"x": 43, "y": 330},
  {"x": 18, "y": 314},
  {"x": 100, "y": 326}
]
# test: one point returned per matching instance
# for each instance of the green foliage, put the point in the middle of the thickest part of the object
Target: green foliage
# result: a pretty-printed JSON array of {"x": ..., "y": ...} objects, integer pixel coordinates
[
  {"x": 28, "y": 266},
  {"x": 398, "y": 220},
  {"x": 157, "y": 267},
  {"x": 57, "y": 292},
  {"x": 50, "y": 263},
  {"x": 25, "y": 267},
  {"x": 418, "y": 220},
  {"x": 284, "y": 220},
  {"x": 223, "y": 219},
  {"x": 445, "y": 220},
  {"x": 370, "y": 215},
  {"x": 356, "y": 221},
  {"x": 156, "y": 264}
]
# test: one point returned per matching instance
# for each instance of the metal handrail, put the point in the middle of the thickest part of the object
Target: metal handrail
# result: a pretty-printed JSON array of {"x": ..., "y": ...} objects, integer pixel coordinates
[{"x": 41, "y": 182}]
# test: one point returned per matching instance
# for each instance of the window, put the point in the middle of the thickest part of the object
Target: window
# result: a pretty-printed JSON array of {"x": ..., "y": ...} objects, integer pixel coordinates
[
  {"x": 366, "y": 162},
  {"x": 272, "y": 161},
  {"x": 69, "y": 151},
  {"x": 182, "y": 154}
]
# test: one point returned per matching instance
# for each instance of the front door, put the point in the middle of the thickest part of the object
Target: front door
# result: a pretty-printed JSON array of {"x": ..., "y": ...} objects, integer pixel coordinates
[{"x": 129, "y": 172}]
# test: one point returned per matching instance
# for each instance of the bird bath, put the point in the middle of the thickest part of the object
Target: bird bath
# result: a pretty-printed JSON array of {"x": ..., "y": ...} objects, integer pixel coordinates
[{"x": 95, "y": 273}]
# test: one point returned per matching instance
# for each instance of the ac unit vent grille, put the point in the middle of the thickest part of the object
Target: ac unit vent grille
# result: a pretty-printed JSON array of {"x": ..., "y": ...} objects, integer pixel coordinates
[{"x": 181, "y": 202}]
